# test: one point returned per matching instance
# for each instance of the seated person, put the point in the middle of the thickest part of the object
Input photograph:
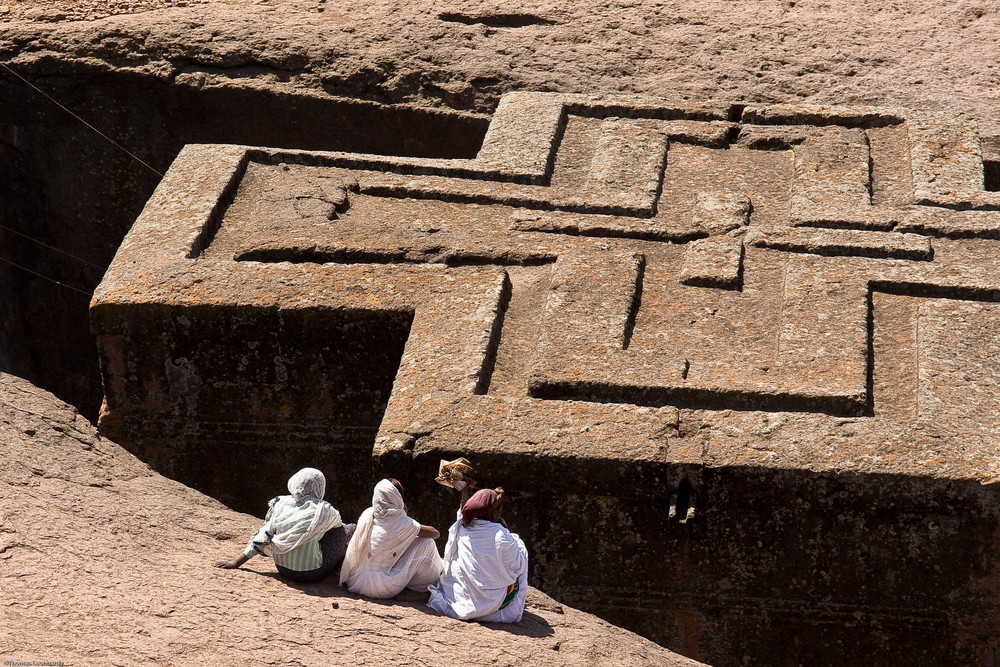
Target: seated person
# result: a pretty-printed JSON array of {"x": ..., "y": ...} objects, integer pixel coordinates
[
  {"x": 390, "y": 551},
  {"x": 302, "y": 532},
  {"x": 485, "y": 565}
]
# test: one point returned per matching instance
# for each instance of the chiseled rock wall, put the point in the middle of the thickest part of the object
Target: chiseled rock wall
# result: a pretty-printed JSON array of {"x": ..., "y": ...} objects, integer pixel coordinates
[{"x": 735, "y": 363}]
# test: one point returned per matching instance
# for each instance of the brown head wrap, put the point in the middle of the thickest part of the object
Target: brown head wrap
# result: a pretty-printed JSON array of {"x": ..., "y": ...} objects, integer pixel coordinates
[{"x": 484, "y": 504}]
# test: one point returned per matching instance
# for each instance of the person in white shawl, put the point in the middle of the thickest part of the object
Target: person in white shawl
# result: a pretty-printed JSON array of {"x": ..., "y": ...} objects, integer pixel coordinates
[
  {"x": 485, "y": 565},
  {"x": 390, "y": 551},
  {"x": 303, "y": 533}
]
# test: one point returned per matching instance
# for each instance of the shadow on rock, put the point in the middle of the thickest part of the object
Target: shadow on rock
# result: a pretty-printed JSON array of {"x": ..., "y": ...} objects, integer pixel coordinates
[{"x": 531, "y": 625}]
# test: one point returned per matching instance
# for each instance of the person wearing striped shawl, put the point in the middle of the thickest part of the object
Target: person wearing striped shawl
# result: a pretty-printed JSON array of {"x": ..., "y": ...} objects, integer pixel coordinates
[{"x": 303, "y": 533}]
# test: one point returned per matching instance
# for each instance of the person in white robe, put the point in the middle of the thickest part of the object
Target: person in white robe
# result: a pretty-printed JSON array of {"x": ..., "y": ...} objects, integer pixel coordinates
[
  {"x": 485, "y": 565},
  {"x": 390, "y": 551}
]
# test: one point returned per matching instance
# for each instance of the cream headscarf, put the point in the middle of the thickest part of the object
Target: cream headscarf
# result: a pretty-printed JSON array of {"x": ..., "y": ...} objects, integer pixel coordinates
[
  {"x": 383, "y": 533},
  {"x": 300, "y": 518},
  {"x": 307, "y": 482}
]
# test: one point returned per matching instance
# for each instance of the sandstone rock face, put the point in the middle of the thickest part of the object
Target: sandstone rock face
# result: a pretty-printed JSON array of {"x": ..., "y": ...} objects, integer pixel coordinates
[
  {"x": 70, "y": 195},
  {"x": 465, "y": 53},
  {"x": 736, "y": 362},
  {"x": 809, "y": 520},
  {"x": 156, "y": 74},
  {"x": 103, "y": 562}
]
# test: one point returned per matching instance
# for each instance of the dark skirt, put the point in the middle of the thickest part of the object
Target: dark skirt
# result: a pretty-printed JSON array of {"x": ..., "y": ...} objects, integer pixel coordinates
[{"x": 333, "y": 545}]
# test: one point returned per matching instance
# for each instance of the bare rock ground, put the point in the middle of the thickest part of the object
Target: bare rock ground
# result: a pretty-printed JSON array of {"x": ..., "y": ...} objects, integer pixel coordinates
[
  {"x": 463, "y": 54},
  {"x": 104, "y": 562}
]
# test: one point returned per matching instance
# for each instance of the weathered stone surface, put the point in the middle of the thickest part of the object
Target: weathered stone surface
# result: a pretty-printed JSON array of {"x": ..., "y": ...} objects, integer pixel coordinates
[
  {"x": 402, "y": 79},
  {"x": 103, "y": 562},
  {"x": 922, "y": 54},
  {"x": 225, "y": 71},
  {"x": 716, "y": 261},
  {"x": 69, "y": 195},
  {"x": 813, "y": 420},
  {"x": 845, "y": 243}
]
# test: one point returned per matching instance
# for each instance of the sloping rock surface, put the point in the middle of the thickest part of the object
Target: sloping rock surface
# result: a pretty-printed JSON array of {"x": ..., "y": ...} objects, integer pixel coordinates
[
  {"x": 463, "y": 54},
  {"x": 102, "y": 561}
]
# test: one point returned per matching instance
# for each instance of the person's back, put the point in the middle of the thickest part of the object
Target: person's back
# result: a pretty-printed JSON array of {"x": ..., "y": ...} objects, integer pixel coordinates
[
  {"x": 302, "y": 532},
  {"x": 390, "y": 551},
  {"x": 486, "y": 566}
]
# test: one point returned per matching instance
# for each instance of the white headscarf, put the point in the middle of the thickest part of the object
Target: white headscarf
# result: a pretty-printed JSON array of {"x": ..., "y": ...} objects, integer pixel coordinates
[
  {"x": 300, "y": 518},
  {"x": 383, "y": 533},
  {"x": 307, "y": 482}
]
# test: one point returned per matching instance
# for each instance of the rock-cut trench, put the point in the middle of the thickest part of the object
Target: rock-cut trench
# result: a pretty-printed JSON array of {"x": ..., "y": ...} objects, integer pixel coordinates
[{"x": 70, "y": 195}]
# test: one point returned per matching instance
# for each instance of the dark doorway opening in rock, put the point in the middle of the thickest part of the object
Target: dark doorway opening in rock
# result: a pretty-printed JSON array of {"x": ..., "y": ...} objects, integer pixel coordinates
[
  {"x": 265, "y": 392},
  {"x": 66, "y": 189},
  {"x": 991, "y": 175}
]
